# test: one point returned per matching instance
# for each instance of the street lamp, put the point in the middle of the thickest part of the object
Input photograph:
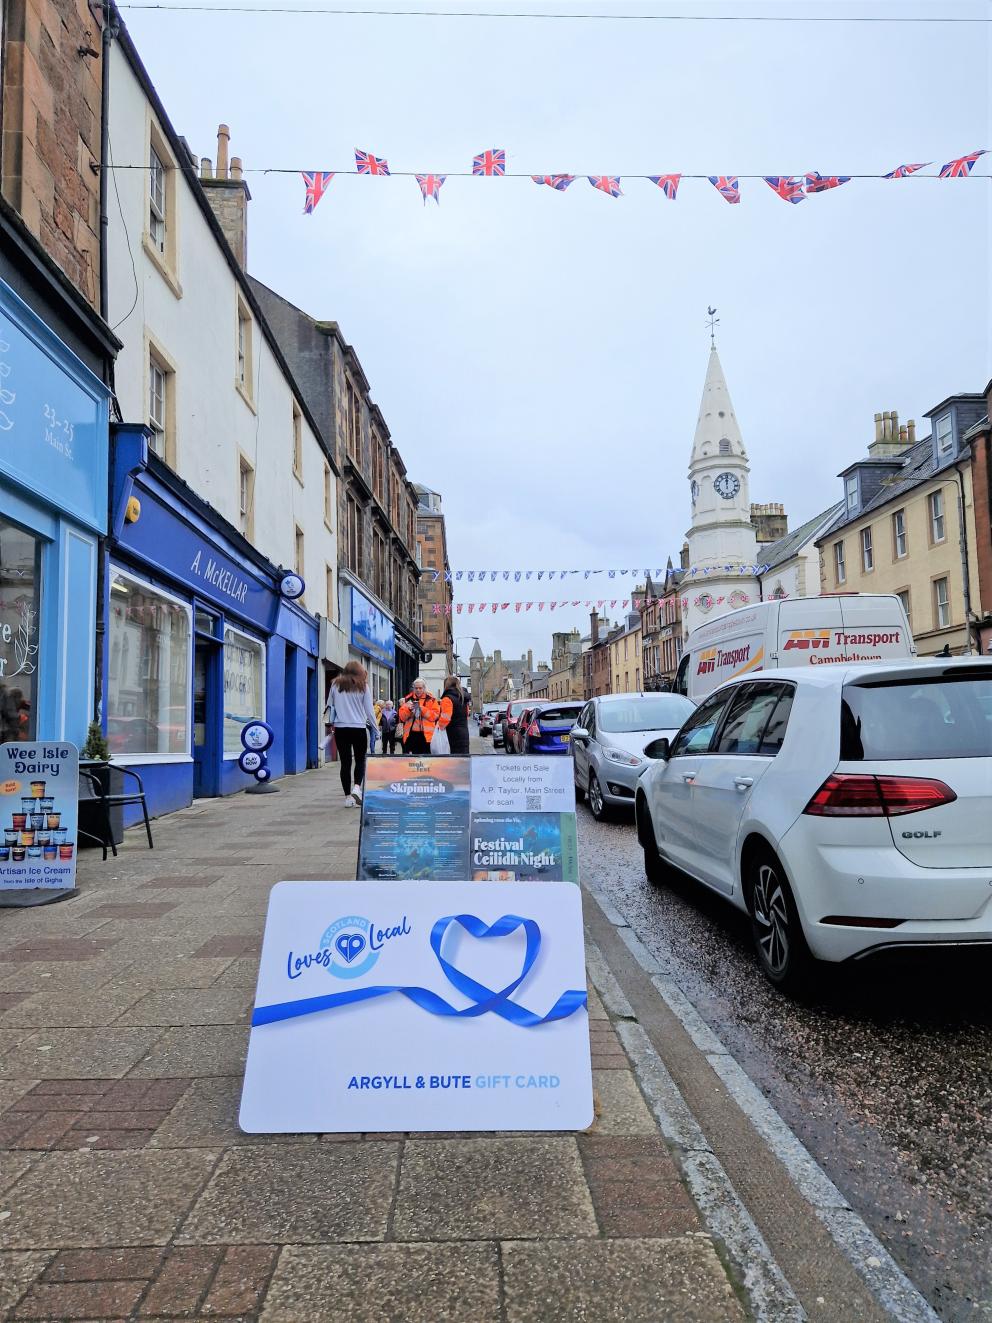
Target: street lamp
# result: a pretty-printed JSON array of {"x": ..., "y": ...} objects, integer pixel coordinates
[{"x": 475, "y": 637}]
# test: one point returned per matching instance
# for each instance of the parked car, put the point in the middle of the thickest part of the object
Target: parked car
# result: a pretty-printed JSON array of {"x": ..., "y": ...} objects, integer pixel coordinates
[
  {"x": 611, "y": 743},
  {"x": 548, "y": 729},
  {"x": 498, "y": 729},
  {"x": 508, "y": 721},
  {"x": 515, "y": 736},
  {"x": 486, "y": 721},
  {"x": 845, "y": 809}
]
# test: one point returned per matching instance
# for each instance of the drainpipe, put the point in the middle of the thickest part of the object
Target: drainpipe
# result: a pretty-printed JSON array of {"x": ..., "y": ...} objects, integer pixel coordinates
[{"x": 110, "y": 30}]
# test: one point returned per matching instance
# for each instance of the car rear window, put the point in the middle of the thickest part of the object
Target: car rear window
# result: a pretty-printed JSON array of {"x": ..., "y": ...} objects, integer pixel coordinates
[
  {"x": 652, "y": 712},
  {"x": 942, "y": 717},
  {"x": 517, "y": 708},
  {"x": 549, "y": 716}
]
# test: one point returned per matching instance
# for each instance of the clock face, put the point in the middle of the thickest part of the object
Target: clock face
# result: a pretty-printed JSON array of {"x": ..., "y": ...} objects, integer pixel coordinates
[
  {"x": 694, "y": 489},
  {"x": 727, "y": 485}
]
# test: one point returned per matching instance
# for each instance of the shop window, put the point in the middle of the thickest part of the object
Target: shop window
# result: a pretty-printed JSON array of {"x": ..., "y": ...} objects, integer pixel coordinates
[
  {"x": 297, "y": 442},
  {"x": 20, "y": 604},
  {"x": 244, "y": 687},
  {"x": 246, "y": 497},
  {"x": 148, "y": 695}
]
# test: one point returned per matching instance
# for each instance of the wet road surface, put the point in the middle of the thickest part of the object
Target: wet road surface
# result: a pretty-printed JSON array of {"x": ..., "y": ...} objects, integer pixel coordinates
[{"x": 885, "y": 1075}]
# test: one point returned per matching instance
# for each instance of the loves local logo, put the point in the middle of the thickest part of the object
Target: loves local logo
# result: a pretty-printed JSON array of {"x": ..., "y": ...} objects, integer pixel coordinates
[{"x": 349, "y": 947}]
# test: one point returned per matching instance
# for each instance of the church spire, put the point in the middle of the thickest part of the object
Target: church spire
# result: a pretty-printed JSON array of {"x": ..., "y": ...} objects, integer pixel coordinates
[{"x": 717, "y": 431}]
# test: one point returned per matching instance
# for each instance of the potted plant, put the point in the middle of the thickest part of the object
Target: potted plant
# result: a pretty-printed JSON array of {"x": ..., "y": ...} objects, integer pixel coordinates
[{"x": 109, "y": 778}]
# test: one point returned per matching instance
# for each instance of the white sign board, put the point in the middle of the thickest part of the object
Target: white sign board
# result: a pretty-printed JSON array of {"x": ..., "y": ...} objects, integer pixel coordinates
[
  {"x": 523, "y": 785},
  {"x": 430, "y": 1006}
]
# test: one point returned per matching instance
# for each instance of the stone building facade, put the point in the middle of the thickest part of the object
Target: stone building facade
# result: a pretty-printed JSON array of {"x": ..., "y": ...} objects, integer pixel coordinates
[
  {"x": 434, "y": 590},
  {"x": 51, "y": 149}
]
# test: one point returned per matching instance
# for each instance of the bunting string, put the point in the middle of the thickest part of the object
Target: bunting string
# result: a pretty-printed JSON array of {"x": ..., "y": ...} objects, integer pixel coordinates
[
  {"x": 518, "y": 576},
  {"x": 491, "y": 164},
  {"x": 735, "y": 598}
]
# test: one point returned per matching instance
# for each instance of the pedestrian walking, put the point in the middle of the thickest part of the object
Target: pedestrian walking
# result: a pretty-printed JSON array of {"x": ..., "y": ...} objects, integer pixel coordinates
[
  {"x": 373, "y": 727},
  {"x": 454, "y": 716},
  {"x": 387, "y": 726},
  {"x": 418, "y": 714},
  {"x": 349, "y": 712}
]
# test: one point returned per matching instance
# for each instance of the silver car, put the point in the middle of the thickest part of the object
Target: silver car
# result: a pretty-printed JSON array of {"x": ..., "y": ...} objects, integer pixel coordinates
[{"x": 611, "y": 743}]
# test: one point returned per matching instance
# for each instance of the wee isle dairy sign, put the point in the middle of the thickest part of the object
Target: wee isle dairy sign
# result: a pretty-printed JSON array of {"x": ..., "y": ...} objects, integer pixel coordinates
[{"x": 39, "y": 791}]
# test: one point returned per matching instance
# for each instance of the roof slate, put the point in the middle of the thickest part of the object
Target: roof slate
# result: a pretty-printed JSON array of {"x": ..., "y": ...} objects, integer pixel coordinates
[
  {"x": 919, "y": 466},
  {"x": 777, "y": 553}
]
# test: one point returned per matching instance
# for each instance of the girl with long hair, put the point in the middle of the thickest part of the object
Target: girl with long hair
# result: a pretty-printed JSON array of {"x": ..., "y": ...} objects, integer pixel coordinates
[{"x": 349, "y": 711}]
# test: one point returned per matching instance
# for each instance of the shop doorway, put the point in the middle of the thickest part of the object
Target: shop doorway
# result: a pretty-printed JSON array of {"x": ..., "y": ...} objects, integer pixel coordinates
[{"x": 207, "y": 722}]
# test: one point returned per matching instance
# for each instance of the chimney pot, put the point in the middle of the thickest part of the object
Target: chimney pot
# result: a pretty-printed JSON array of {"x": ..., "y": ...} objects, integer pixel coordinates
[
  {"x": 206, "y": 168},
  {"x": 904, "y": 436},
  {"x": 223, "y": 142},
  {"x": 887, "y": 425},
  {"x": 911, "y": 426},
  {"x": 235, "y": 167},
  {"x": 878, "y": 427},
  {"x": 895, "y": 424}
]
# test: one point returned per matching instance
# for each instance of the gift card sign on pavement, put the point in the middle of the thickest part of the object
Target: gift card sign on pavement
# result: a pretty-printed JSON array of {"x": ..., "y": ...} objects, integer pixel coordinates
[
  {"x": 39, "y": 795},
  {"x": 444, "y": 1006}
]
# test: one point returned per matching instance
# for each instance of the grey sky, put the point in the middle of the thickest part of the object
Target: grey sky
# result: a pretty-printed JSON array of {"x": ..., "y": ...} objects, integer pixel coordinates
[{"x": 539, "y": 357}]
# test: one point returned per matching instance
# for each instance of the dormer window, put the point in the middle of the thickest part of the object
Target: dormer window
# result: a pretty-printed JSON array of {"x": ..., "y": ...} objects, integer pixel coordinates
[
  {"x": 851, "y": 490},
  {"x": 944, "y": 432}
]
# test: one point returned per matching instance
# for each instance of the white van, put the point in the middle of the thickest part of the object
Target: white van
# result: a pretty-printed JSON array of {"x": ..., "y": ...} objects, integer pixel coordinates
[{"x": 844, "y": 627}]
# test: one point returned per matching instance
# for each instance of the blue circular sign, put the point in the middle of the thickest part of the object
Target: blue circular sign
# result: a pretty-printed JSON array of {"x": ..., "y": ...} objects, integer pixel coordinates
[
  {"x": 257, "y": 736},
  {"x": 250, "y": 761},
  {"x": 264, "y": 773},
  {"x": 292, "y": 586}
]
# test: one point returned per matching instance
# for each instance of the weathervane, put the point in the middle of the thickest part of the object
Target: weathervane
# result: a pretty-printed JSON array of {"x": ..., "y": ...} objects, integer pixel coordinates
[{"x": 713, "y": 323}]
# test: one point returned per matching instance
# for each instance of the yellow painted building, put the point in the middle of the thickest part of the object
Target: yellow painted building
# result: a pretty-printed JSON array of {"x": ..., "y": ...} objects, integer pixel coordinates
[
  {"x": 901, "y": 528},
  {"x": 626, "y": 661}
]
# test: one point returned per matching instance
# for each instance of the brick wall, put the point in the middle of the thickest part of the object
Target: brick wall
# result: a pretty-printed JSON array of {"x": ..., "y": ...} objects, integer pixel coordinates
[{"x": 51, "y": 131}]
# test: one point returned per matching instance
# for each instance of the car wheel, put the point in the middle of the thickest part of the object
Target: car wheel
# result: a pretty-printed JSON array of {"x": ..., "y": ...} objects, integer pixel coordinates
[
  {"x": 655, "y": 868},
  {"x": 597, "y": 804},
  {"x": 778, "y": 934}
]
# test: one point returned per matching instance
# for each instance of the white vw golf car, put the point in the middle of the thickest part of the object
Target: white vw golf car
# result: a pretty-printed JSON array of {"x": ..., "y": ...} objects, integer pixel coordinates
[{"x": 846, "y": 808}]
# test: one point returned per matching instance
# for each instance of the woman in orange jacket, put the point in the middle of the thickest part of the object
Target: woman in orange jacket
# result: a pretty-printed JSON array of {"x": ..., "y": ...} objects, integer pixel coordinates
[{"x": 418, "y": 714}]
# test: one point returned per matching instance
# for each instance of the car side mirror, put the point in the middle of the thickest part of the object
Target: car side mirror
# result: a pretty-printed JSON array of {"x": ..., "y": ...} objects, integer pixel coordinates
[
  {"x": 660, "y": 749},
  {"x": 580, "y": 734}
]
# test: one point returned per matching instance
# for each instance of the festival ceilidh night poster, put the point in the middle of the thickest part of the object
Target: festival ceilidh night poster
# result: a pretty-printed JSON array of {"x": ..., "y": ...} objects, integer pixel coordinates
[
  {"x": 531, "y": 847},
  {"x": 415, "y": 820}
]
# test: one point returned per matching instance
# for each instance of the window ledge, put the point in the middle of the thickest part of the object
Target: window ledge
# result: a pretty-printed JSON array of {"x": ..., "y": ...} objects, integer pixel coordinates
[
  {"x": 245, "y": 396},
  {"x": 167, "y": 272}
]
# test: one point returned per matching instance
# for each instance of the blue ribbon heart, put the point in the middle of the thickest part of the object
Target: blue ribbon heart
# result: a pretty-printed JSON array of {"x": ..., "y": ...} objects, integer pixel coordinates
[{"x": 483, "y": 1000}]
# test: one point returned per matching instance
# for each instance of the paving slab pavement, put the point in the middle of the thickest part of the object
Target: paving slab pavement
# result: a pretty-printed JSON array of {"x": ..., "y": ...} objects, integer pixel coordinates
[{"x": 127, "y": 1190}]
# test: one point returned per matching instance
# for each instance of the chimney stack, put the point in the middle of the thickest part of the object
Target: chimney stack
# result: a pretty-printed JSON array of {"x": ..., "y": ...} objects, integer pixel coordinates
[
  {"x": 594, "y": 625},
  {"x": 228, "y": 195},
  {"x": 892, "y": 440}
]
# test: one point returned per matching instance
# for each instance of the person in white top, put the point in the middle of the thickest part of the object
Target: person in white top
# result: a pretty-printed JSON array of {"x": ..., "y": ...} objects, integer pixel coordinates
[{"x": 349, "y": 712}]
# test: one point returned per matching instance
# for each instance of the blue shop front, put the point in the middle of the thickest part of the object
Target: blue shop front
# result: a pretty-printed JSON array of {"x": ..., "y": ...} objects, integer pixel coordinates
[
  {"x": 201, "y": 640},
  {"x": 53, "y": 511}
]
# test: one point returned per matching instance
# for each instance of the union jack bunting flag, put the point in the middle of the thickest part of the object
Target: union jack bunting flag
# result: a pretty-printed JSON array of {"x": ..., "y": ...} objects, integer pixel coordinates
[
  {"x": 669, "y": 184},
  {"x": 817, "y": 183},
  {"x": 607, "y": 184},
  {"x": 490, "y": 163},
  {"x": 788, "y": 187},
  {"x": 901, "y": 171},
  {"x": 430, "y": 186},
  {"x": 960, "y": 166},
  {"x": 727, "y": 186},
  {"x": 367, "y": 164},
  {"x": 316, "y": 182},
  {"x": 557, "y": 182}
]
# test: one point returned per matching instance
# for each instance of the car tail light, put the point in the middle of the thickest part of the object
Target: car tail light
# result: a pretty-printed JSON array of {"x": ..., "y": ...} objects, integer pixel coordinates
[
  {"x": 533, "y": 730},
  {"x": 849, "y": 796}
]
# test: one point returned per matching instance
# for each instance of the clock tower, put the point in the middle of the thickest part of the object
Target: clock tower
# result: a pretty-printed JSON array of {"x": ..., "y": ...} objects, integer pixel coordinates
[{"x": 723, "y": 546}]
